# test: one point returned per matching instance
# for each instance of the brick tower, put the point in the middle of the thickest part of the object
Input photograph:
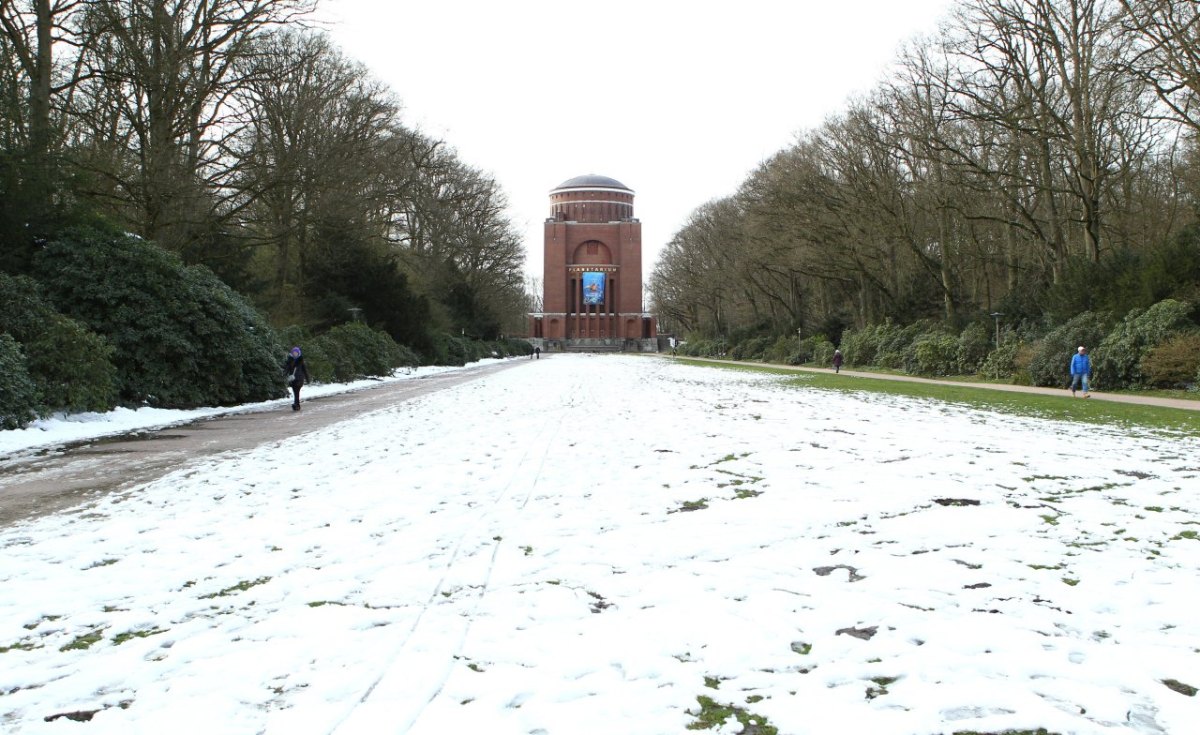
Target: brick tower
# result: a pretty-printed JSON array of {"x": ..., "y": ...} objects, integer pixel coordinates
[{"x": 592, "y": 277}]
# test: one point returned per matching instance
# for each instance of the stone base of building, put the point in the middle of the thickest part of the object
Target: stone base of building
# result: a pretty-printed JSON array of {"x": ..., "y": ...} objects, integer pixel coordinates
[{"x": 595, "y": 345}]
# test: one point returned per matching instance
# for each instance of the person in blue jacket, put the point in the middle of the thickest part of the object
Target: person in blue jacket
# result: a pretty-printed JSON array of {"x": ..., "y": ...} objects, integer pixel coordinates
[{"x": 1081, "y": 370}]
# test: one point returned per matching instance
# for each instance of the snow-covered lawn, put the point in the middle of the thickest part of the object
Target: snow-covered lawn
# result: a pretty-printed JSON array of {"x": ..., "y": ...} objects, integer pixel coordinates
[{"x": 591, "y": 544}]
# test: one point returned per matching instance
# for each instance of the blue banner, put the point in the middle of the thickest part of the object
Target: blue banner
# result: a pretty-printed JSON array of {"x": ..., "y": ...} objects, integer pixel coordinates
[{"x": 593, "y": 289}]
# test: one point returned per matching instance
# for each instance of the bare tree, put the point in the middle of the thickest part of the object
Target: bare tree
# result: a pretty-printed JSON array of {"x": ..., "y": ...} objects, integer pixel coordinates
[
  {"x": 1166, "y": 52},
  {"x": 169, "y": 68},
  {"x": 317, "y": 129}
]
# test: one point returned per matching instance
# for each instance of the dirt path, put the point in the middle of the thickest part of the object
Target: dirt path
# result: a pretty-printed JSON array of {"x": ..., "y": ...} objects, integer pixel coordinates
[
  {"x": 54, "y": 479},
  {"x": 1099, "y": 396}
]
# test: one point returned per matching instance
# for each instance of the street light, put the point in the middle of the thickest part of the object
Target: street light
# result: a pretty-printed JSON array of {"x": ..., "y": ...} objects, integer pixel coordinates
[{"x": 996, "y": 315}]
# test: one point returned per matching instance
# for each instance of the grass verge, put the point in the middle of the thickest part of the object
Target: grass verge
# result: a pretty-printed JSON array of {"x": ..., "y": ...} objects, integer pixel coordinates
[{"x": 1062, "y": 408}]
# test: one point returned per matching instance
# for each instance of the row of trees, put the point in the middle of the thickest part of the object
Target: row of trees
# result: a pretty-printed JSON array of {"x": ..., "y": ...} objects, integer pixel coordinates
[
  {"x": 185, "y": 184},
  {"x": 231, "y": 134},
  {"x": 1035, "y": 158}
]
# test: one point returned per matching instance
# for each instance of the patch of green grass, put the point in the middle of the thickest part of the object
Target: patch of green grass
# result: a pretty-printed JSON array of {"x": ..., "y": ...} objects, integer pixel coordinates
[
  {"x": 712, "y": 715},
  {"x": 45, "y": 619},
  {"x": 1069, "y": 581},
  {"x": 1154, "y": 508},
  {"x": 22, "y": 646},
  {"x": 1186, "y": 534},
  {"x": 1178, "y": 686},
  {"x": 1052, "y": 520},
  {"x": 690, "y": 505},
  {"x": 1044, "y": 566},
  {"x": 528, "y": 550},
  {"x": 85, "y": 641},
  {"x": 1057, "y": 407},
  {"x": 131, "y": 634},
  {"x": 323, "y": 603},
  {"x": 242, "y": 586},
  {"x": 881, "y": 686},
  {"x": 712, "y": 682},
  {"x": 102, "y": 563}
]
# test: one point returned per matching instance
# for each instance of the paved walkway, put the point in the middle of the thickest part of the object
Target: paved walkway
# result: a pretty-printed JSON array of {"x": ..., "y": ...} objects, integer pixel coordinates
[{"x": 1182, "y": 403}]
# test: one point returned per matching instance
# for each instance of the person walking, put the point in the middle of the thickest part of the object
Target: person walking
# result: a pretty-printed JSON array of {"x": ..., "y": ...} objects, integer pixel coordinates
[
  {"x": 837, "y": 361},
  {"x": 297, "y": 375},
  {"x": 537, "y": 351},
  {"x": 1081, "y": 370}
]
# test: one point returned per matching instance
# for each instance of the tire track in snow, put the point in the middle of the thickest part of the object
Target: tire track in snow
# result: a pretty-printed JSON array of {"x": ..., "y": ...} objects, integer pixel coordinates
[{"x": 408, "y": 678}]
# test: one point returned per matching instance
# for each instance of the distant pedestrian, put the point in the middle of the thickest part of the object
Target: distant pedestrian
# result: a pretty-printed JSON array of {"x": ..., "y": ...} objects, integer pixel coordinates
[
  {"x": 1081, "y": 371},
  {"x": 297, "y": 375},
  {"x": 837, "y": 361},
  {"x": 537, "y": 353}
]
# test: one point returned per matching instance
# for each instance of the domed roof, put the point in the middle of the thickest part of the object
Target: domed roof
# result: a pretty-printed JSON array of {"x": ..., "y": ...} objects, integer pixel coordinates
[{"x": 592, "y": 181}]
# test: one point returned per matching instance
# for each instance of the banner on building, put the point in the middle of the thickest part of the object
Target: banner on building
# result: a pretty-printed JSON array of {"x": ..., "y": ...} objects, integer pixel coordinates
[{"x": 593, "y": 289}]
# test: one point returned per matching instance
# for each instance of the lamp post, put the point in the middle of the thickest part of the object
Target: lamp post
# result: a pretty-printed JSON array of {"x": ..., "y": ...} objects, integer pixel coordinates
[{"x": 996, "y": 315}]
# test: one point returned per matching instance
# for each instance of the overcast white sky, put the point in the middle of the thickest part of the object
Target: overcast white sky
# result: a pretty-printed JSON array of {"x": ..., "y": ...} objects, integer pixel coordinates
[{"x": 677, "y": 100}]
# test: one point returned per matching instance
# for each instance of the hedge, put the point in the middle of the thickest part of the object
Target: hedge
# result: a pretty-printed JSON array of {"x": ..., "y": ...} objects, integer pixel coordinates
[
  {"x": 182, "y": 338},
  {"x": 71, "y": 367},
  {"x": 18, "y": 393}
]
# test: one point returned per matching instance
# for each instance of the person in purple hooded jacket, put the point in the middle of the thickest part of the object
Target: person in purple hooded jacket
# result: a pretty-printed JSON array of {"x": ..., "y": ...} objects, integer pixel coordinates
[
  {"x": 1081, "y": 370},
  {"x": 297, "y": 375}
]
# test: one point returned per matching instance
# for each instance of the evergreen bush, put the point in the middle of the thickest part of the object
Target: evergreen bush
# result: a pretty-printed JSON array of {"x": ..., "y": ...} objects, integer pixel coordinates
[
  {"x": 1001, "y": 363},
  {"x": 1174, "y": 363},
  {"x": 698, "y": 348},
  {"x": 898, "y": 349},
  {"x": 1117, "y": 362},
  {"x": 934, "y": 354},
  {"x": 70, "y": 366},
  {"x": 18, "y": 393},
  {"x": 783, "y": 351},
  {"x": 887, "y": 345},
  {"x": 322, "y": 366},
  {"x": 1051, "y": 362},
  {"x": 974, "y": 343},
  {"x": 751, "y": 349},
  {"x": 355, "y": 351},
  {"x": 816, "y": 350},
  {"x": 859, "y": 346},
  {"x": 181, "y": 338}
]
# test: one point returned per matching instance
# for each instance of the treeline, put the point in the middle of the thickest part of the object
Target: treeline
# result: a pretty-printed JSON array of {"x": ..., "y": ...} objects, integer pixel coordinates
[
  {"x": 1032, "y": 163},
  {"x": 186, "y": 185}
]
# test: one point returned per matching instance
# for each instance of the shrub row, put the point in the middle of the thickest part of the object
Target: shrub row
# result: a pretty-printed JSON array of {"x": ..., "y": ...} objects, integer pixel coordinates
[
  {"x": 449, "y": 349},
  {"x": 1158, "y": 347},
  {"x": 68, "y": 367},
  {"x": 110, "y": 319}
]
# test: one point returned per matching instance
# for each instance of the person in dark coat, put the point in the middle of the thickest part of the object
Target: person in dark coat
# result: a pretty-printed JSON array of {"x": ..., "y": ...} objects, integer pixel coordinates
[
  {"x": 837, "y": 361},
  {"x": 297, "y": 375}
]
